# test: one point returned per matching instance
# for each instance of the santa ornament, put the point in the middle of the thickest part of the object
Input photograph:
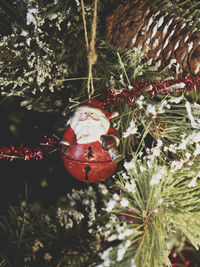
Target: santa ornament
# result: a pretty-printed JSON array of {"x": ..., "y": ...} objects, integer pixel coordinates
[{"x": 89, "y": 144}]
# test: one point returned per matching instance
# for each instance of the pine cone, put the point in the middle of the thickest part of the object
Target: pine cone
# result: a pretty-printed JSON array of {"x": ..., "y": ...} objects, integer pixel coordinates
[{"x": 163, "y": 38}]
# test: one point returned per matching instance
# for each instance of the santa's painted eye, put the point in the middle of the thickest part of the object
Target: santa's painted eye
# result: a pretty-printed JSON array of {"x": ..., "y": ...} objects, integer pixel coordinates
[
  {"x": 91, "y": 113},
  {"x": 85, "y": 112}
]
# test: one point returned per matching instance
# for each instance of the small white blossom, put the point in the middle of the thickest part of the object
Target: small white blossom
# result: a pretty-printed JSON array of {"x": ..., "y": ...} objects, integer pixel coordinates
[
  {"x": 132, "y": 129},
  {"x": 151, "y": 110},
  {"x": 112, "y": 237},
  {"x": 125, "y": 176},
  {"x": 190, "y": 163},
  {"x": 182, "y": 145},
  {"x": 130, "y": 186},
  {"x": 37, "y": 245},
  {"x": 177, "y": 165},
  {"x": 190, "y": 139},
  {"x": 124, "y": 202},
  {"x": 69, "y": 24},
  {"x": 170, "y": 243},
  {"x": 129, "y": 165},
  {"x": 140, "y": 101},
  {"x": 77, "y": 3},
  {"x": 116, "y": 197},
  {"x": 128, "y": 243},
  {"x": 142, "y": 168},
  {"x": 176, "y": 85},
  {"x": 120, "y": 252},
  {"x": 47, "y": 256},
  {"x": 126, "y": 233},
  {"x": 53, "y": 16},
  {"x": 103, "y": 188},
  {"x": 196, "y": 105},
  {"x": 107, "y": 263},
  {"x": 189, "y": 111},
  {"x": 24, "y": 33},
  {"x": 155, "y": 151},
  {"x": 166, "y": 148},
  {"x": 193, "y": 182},
  {"x": 149, "y": 163},
  {"x": 163, "y": 104},
  {"x": 175, "y": 100},
  {"x": 105, "y": 258},
  {"x": 123, "y": 233},
  {"x": 159, "y": 143},
  {"x": 196, "y": 137},
  {"x": 187, "y": 155},
  {"x": 133, "y": 263},
  {"x": 110, "y": 205},
  {"x": 72, "y": 203},
  {"x": 158, "y": 176},
  {"x": 197, "y": 150},
  {"x": 30, "y": 16},
  {"x": 86, "y": 202},
  {"x": 173, "y": 148},
  {"x": 155, "y": 179}
]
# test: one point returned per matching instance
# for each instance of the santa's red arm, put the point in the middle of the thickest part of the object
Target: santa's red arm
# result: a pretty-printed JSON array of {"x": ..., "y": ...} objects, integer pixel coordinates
[
  {"x": 69, "y": 133},
  {"x": 115, "y": 134},
  {"x": 112, "y": 131}
]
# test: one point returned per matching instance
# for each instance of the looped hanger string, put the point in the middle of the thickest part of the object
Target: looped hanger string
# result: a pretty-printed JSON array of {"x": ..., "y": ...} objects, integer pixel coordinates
[{"x": 91, "y": 53}]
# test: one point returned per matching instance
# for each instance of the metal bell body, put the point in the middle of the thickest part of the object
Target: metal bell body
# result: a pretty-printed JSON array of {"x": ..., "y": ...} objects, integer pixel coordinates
[{"x": 89, "y": 162}]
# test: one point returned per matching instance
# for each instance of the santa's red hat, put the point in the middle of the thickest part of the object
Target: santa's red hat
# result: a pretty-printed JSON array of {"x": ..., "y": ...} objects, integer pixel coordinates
[{"x": 96, "y": 104}]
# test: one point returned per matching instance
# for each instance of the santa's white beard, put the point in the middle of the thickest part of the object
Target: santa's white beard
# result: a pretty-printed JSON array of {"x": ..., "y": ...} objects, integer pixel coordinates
[{"x": 89, "y": 130}]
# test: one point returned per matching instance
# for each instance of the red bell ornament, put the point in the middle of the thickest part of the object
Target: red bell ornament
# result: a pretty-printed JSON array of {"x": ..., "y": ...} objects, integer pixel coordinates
[{"x": 89, "y": 144}]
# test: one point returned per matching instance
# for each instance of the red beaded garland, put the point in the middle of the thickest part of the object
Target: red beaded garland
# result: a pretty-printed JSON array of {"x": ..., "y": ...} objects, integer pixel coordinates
[
  {"x": 23, "y": 152},
  {"x": 169, "y": 86}
]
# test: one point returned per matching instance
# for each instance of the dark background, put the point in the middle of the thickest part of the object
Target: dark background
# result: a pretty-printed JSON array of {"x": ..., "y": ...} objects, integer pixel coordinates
[{"x": 47, "y": 179}]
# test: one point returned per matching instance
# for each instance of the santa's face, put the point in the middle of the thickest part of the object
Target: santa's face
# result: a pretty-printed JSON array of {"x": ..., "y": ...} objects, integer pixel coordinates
[{"x": 89, "y": 124}]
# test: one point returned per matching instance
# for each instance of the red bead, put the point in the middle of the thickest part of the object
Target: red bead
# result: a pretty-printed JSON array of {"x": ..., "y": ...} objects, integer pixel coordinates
[{"x": 187, "y": 263}]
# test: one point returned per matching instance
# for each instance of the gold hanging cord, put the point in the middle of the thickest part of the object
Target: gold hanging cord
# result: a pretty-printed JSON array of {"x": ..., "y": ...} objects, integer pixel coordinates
[{"x": 91, "y": 53}]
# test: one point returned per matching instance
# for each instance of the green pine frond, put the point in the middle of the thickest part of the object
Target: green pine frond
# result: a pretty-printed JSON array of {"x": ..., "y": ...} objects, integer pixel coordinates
[
  {"x": 160, "y": 203},
  {"x": 159, "y": 190}
]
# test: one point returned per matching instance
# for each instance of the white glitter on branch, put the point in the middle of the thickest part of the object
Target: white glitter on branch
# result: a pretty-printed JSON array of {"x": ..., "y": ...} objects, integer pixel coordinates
[
  {"x": 140, "y": 101},
  {"x": 158, "y": 176},
  {"x": 105, "y": 257},
  {"x": 130, "y": 186},
  {"x": 189, "y": 111},
  {"x": 132, "y": 129},
  {"x": 122, "y": 250},
  {"x": 30, "y": 16},
  {"x": 110, "y": 205},
  {"x": 124, "y": 202},
  {"x": 151, "y": 110},
  {"x": 193, "y": 182},
  {"x": 176, "y": 100}
]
